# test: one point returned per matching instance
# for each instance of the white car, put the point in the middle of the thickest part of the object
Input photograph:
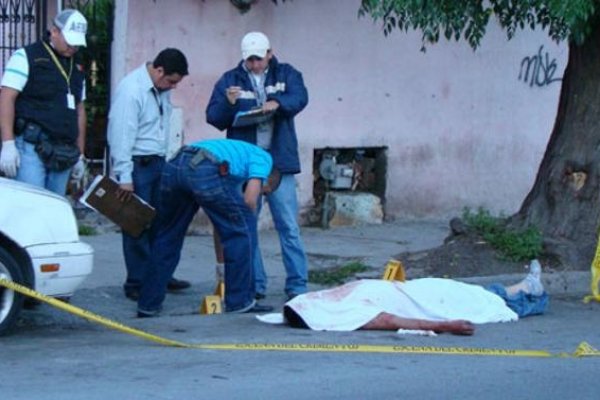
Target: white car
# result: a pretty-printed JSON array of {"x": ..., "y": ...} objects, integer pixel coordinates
[{"x": 39, "y": 247}]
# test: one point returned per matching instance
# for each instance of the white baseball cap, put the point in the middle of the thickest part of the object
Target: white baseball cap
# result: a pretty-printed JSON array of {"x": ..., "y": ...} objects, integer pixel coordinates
[
  {"x": 73, "y": 26},
  {"x": 255, "y": 44}
]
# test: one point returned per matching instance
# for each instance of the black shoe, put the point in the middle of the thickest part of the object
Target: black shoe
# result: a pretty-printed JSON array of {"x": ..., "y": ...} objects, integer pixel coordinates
[
  {"x": 260, "y": 296},
  {"x": 132, "y": 294},
  {"x": 258, "y": 308},
  {"x": 144, "y": 315},
  {"x": 252, "y": 307},
  {"x": 176, "y": 284},
  {"x": 148, "y": 314}
]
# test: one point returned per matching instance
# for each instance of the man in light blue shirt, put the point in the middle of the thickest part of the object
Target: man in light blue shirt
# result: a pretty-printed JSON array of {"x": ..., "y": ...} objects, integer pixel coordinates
[
  {"x": 138, "y": 132},
  {"x": 225, "y": 178}
]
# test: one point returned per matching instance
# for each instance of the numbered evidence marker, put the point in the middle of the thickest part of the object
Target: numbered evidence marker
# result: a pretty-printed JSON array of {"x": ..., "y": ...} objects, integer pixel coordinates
[
  {"x": 211, "y": 305},
  {"x": 394, "y": 271}
]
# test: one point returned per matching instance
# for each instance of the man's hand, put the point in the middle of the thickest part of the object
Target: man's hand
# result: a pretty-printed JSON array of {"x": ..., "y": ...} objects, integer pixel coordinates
[
  {"x": 270, "y": 105},
  {"x": 252, "y": 192},
  {"x": 125, "y": 191},
  {"x": 9, "y": 158},
  {"x": 233, "y": 93},
  {"x": 78, "y": 169},
  {"x": 272, "y": 183}
]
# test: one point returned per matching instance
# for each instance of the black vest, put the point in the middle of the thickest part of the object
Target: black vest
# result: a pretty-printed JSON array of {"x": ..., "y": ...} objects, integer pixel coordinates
[{"x": 44, "y": 97}]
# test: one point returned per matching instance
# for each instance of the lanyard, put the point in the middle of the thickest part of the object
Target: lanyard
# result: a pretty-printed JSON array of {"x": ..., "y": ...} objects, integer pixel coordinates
[
  {"x": 158, "y": 101},
  {"x": 60, "y": 67}
]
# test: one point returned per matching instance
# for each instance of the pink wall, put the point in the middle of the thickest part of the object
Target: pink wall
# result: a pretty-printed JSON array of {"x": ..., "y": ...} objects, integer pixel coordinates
[{"x": 461, "y": 128}]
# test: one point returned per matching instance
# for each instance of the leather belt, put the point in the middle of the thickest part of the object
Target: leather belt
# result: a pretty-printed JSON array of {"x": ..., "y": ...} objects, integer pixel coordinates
[{"x": 201, "y": 154}]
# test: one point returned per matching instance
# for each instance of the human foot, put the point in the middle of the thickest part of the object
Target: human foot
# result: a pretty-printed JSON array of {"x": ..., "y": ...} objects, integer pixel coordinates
[
  {"x": 535, "y": 269},
  {"x": 533, "y": 280}
]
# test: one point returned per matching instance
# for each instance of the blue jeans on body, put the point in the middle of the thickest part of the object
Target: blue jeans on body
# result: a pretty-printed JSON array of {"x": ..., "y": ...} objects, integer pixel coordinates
[
  {"x": 185, "y": 187},
  {"x": 284, "y": 209},
  {"x": 147, "y": 171},
  {"x": 33, "y": 171},
  {"x": 522, "y": 303}
]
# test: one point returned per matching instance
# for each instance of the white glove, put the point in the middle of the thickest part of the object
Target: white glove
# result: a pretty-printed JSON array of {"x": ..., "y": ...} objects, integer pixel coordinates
[
  {"x": 78, "y": 169},
  {"x": 9, "y": 159}
]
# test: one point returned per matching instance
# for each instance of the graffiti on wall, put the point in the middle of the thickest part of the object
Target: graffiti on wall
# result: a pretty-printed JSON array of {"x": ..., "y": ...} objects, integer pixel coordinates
[{"x": 538, "y": 69}]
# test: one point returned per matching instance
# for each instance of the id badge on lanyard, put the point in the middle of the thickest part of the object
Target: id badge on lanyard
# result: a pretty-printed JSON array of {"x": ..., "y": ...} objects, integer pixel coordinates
[
  {"x": 70, "y": 101},
  {"x": 70, "y": 97}
]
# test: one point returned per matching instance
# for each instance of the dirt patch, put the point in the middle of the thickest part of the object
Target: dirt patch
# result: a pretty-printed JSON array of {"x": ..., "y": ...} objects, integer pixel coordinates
[{"x": 465, "y": 255}]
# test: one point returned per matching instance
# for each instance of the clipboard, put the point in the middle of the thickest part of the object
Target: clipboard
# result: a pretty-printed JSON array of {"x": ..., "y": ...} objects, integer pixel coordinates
[
  {"x": 133, "y": 216},
  {"x": 252, "y": 117}
]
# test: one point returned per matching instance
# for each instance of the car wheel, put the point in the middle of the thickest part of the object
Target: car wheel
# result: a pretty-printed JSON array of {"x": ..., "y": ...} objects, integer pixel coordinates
[{"x": 10, "y": 302}]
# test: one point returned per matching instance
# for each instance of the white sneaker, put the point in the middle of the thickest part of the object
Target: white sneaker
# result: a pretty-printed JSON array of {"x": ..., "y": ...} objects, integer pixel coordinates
[
  {"x": 535, "y": 269},
  {"x": 534, "y": 279}
]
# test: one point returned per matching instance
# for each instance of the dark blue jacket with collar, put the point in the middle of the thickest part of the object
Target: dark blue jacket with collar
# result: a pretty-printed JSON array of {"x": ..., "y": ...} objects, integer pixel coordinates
[{"x": 283, "y": 84}]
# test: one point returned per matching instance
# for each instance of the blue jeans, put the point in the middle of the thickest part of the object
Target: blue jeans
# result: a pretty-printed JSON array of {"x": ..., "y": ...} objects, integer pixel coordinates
[
  {"x": 146, "y": 184},
  {"x": 284, "y": 209},
  {"x": 33, "y": 171},
  {"x": 522, "y": 303},
  {"x": 185, "y": 187}
]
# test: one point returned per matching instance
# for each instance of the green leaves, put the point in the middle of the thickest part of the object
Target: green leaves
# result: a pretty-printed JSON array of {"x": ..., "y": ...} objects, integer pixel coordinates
[
  {"x": 468, "y": 19},
  {"x": 336, "y": 275},
  {"x": 513, "y": 245}
]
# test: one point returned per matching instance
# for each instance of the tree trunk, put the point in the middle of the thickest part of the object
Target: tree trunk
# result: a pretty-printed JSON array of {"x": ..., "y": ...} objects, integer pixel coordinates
[{"x": 564, "y": 201}]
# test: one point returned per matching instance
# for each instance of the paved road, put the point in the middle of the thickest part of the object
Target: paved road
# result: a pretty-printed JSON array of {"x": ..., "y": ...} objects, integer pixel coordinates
[{"x": 55, "y": 355}]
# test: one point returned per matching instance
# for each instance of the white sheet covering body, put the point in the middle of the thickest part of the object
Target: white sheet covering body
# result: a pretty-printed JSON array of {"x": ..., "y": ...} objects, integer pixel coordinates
[{"x": 350, "y": 306}]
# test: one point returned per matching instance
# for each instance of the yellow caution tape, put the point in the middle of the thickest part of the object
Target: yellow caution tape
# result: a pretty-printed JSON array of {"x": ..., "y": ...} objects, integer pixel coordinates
[
  {"x": 583, "y": 350},
  {"x": 366, "y": 348},
  {"x": 586, "y": 350},
  {"x": 595, "y": 282},
  {"x": 89, "y": 315}
]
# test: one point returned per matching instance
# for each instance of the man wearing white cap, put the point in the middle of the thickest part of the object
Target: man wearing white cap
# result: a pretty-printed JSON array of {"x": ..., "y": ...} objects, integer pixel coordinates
[
  {"x": 42, "y": 114},
  {"x": 260, "y": 81}
]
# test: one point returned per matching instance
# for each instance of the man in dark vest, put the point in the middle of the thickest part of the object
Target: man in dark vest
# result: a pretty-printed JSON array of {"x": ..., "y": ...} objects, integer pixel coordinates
[{"x": 42, "y": 114}]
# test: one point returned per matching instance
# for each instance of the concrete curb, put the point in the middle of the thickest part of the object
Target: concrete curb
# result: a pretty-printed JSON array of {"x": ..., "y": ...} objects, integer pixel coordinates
[
  {"x": 555, "y": 283},
  {"x": 373, "y": 245}
]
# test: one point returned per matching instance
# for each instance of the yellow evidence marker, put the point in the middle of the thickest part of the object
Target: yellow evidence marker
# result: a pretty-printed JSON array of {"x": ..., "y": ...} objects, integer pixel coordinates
[
  {"x": 394, "y": 271},
  {"x": 211, "y": 305}
]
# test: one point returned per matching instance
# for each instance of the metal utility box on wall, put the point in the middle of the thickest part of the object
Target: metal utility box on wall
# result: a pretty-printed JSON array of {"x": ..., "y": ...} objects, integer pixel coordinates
[{"x": 344, "y": 175}]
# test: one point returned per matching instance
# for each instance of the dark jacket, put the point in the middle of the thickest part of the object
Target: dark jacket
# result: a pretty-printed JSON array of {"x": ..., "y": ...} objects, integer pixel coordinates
[
  {"x": 285, "y": 85},
  {"x": 44, "y": 97}
]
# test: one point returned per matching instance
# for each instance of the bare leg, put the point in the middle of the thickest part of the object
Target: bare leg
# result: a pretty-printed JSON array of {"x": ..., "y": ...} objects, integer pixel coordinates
[
  {"x": 385, "y": 321},
  {"x": 516, "y": 288}
]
